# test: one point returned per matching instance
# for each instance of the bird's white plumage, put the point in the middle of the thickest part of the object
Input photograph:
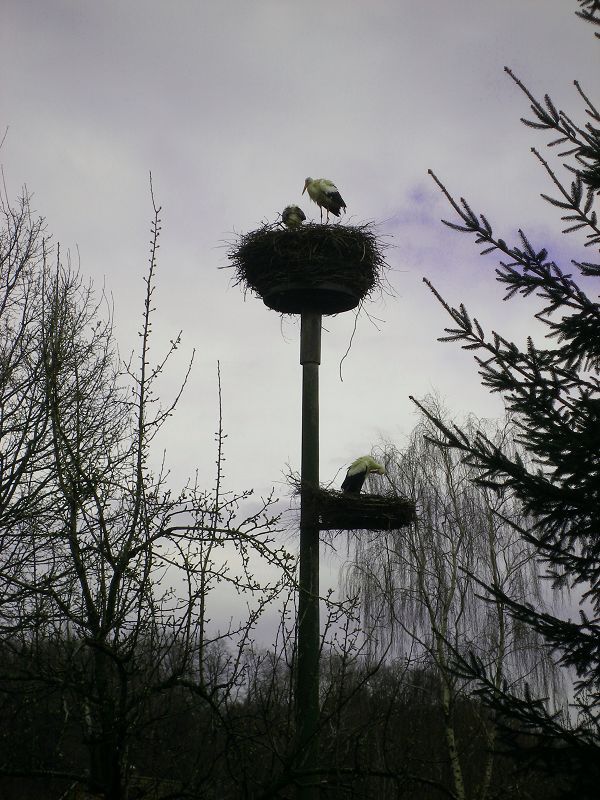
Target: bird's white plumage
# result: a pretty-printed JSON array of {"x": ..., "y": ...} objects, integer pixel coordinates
[
  {"x": 365, "y": 464},
  {"x": 325, "y": 194},
  {"x": 357, "y": 473}
]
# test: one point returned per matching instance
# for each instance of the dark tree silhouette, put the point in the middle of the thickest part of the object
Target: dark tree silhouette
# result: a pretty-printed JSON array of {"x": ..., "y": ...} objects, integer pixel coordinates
[
  {"x": 554, "y": 394},
  {"x": 108, "y": 574}
]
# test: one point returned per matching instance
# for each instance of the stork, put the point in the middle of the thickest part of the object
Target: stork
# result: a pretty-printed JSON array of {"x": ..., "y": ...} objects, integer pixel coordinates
[
  {"x": 325, "y": 194},
  {"x": 292, "y": 216},
  {"x": 357, "y": 473}
]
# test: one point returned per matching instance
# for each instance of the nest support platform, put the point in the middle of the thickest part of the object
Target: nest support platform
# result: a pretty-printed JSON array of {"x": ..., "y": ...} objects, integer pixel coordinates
[
  {"x": 326, "y": 298},
  {"x": 373, "y": 512},
  {"x": 326, "y": 269}
]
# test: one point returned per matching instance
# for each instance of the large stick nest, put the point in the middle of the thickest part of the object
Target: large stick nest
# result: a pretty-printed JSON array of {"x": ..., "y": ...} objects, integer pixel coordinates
[
  {"x": 373, "y": 512},
  {"x": 274, "y": 260}
]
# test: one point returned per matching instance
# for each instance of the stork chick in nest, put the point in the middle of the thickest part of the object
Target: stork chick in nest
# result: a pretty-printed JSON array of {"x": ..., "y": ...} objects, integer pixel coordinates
[{"x": 292, "y": 216}]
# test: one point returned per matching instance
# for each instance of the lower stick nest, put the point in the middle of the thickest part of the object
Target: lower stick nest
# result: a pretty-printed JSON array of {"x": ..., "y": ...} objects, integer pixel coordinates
[{"x": 374, "y": 512}]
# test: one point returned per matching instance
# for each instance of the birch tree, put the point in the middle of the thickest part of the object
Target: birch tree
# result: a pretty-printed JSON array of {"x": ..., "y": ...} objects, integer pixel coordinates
[{"x": 420, "y": 586}]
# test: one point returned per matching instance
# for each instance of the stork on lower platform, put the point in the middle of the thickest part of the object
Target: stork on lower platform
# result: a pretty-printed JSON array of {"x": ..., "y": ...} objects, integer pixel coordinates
[{"x": 357, "y": 473}]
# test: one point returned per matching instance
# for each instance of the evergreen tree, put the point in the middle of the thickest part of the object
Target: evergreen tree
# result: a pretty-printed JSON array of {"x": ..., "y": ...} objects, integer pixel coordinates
[{"x": 554, "y": 394}]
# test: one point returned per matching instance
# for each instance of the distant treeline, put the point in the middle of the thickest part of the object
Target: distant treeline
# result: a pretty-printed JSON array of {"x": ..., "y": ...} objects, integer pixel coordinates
[{"x": 383, "y": 733}]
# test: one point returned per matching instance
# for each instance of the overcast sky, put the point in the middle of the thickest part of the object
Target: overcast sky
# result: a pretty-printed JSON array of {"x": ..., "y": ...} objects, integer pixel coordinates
[{"x": 231, "y": 105}]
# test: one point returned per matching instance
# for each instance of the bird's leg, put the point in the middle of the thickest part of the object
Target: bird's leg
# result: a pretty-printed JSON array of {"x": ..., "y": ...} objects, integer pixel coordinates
[
  {"x": 321, "y": 210},
  {"x": 328, "y": 216}
]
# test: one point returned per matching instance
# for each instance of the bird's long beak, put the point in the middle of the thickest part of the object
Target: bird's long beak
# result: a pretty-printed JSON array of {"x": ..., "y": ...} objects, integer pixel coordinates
[{"x": 303, "y": 190}]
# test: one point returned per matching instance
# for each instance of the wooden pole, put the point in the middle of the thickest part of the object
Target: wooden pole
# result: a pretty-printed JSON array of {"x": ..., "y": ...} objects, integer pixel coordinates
[{"x": 307, "y": 665}]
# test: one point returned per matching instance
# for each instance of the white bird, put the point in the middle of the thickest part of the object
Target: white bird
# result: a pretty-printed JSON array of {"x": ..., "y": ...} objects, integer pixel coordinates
[
  {"x": 357, "y": 473},
  {"x": 325, "y": 194},
  {"x": 292, "y": 216}
]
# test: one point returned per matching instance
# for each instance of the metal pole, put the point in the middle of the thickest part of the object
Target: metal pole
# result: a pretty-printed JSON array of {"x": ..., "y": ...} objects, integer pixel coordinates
[{"x": 307, "y": 666}]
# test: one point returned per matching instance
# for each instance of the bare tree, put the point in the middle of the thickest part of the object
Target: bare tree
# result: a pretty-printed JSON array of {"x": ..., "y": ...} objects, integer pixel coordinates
[
  {"x": 115, "y": 568},
  {"x": 422, "y": 584},
  {"x": 26, "y": 486}
]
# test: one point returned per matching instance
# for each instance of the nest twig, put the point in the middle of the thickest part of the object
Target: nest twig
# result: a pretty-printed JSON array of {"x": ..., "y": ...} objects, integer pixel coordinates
[{"x": 315, "y": 254}]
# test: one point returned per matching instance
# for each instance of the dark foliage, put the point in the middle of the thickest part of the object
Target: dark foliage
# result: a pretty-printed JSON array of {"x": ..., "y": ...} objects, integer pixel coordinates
[
  {"x": 590, "y": 11},
  {"x": 382, "y": 737},
  {"x": 554, "y": 394}
]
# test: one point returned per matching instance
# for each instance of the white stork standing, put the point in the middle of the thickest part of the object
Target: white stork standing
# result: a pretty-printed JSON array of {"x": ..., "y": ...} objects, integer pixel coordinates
[
  {"x": 325, "y": 194},
  {"x": 357, "y": 473},
  {"x": 292, "y": 216}
]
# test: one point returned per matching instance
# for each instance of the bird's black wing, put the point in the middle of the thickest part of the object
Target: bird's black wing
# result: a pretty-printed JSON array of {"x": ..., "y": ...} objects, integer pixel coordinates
[
  {"x": 334, "y": 203},
  {"x": 353, "y": 483}
]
